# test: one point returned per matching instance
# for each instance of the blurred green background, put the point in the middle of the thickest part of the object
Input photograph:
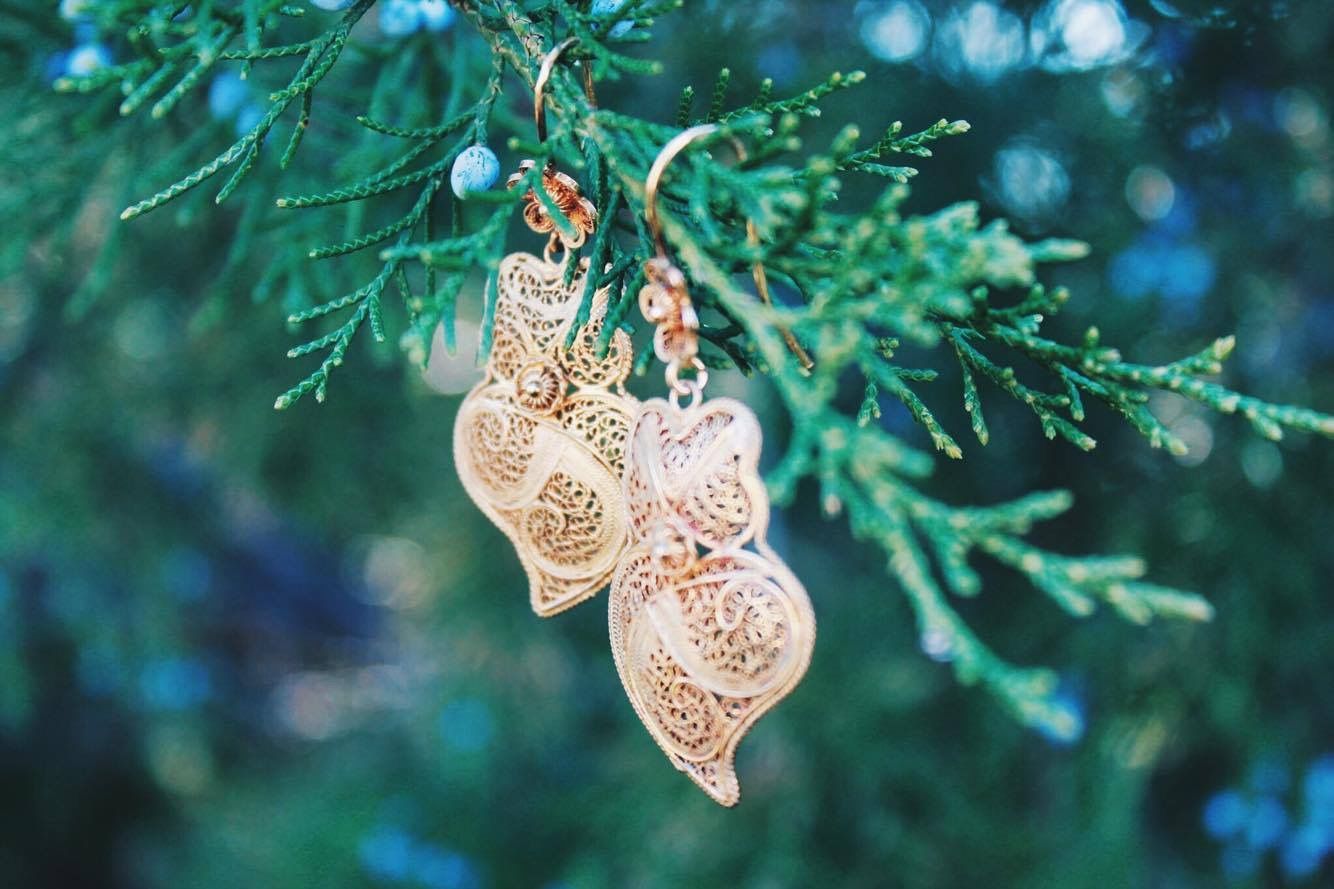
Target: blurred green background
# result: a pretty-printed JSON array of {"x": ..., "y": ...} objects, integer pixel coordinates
[{"x": 248, "y": 648}]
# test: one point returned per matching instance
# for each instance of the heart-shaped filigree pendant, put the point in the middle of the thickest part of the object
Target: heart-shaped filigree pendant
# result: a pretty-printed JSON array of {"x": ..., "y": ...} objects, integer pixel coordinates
[
  {"x": 539, "y": 443},
  {"x": 709, "y": 628}
]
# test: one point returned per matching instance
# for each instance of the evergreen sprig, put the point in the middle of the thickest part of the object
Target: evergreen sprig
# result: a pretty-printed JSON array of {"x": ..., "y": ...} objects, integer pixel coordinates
[{"x": 855, "y": 286}]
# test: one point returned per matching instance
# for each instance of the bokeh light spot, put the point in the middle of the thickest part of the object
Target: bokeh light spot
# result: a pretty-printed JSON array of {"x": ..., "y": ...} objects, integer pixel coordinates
[
  {"x": 1269, "y": 820},
  {"x": 1262, "y": 463},
  {"x": 1198, "y": 437},
  {"x": 226, "y": 95},
  {"x": 980, "y": 41},
  {"x": 396, "y": 572},
  {"x": 1304, "y": 849},
  {"x": 1300, "y": 115},
  {"x": 457, "y": 373},
  {"x": 1188, "y": 274},
  {"x": 1076, "y": 35},
  {"x": 1093, "y": 30},
  {"x": 1122, "y": 92},
  {"x": 1225, "y": 814},
  {"x": 1030, "y": 181},
  {"x": 1150, "y": 192},
  {"x": 307, "y": 706},
  {"x": 175, "y": 683},
  {"x": 179, "y": 760},
  {"x": 1314, "y": 192},
  {"x": 140, "y": 330},
  {"x": 896, "y": 31}
]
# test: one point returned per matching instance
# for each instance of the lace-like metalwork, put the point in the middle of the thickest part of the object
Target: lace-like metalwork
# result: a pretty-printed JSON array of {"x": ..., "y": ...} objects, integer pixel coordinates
[
  {"x": 539, "y": 443},
  {"x": 709, "y": 628},
  {"x": 580, "y": 214}
]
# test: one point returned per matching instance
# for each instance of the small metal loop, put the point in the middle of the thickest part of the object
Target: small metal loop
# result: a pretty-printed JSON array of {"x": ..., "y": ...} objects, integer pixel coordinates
[
  {"x": 692, "y": 386},
  {"x": 695, "y": 393},
  {"x": 554, "y": 243},
  {"x": 543, "y": 78}
]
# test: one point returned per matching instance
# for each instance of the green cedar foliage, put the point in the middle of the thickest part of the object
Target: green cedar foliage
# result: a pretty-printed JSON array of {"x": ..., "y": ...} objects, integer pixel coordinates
[{"x": 857, "y": 286}]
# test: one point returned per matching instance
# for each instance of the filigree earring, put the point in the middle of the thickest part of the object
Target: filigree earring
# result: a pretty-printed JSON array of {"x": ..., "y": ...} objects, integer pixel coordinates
[
  {"x": 709, "y": 628},
  {"x": 539, "y": 443}
]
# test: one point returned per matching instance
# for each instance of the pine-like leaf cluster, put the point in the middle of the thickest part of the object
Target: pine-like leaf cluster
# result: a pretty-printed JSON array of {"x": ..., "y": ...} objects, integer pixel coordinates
[{"x": 855, "y": 286}]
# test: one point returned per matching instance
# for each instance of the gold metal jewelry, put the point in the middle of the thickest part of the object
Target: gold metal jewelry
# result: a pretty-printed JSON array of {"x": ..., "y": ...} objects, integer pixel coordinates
[
  {"x": 579, "y": 212},
  {"x": 709, "y": 628},
  {"x": 564, "y": 192},
  {"x": 653, "y": 183},
  {"x": 539, "y": 443}
]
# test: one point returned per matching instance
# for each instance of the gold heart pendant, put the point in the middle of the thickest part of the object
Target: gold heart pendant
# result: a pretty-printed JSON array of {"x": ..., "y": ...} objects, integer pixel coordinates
[
  {"x": 540, "y": 442},
  {"x": 709, "y": 628}
]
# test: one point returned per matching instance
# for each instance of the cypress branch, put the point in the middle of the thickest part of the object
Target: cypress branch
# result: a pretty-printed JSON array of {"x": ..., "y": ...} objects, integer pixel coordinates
[{"x": 853, "y": 283}]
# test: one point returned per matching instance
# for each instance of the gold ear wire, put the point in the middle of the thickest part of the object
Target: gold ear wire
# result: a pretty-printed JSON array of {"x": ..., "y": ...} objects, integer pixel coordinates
[
  {"x": 762, "y": 287},
  {"x": 674, "y": 146},
  {"x": 653, "y": 184},
  {"x": 563, "y": 191},
  {"x": 544, "y": 77},
  {"x": 540, "y": 85}
]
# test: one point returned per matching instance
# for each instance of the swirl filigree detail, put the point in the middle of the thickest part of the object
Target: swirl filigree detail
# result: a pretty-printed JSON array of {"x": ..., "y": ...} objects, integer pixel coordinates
[
  {"x": 709, "y": 628},
  {"x": 539, "y": 443},
  {"x": 565, "y": 194}
]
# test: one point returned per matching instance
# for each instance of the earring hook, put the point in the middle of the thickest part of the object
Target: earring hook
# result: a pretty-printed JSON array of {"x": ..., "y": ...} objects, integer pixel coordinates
[
  {"x": 544, "y": 77},
  {"x": 563, "y": 191},
  {"x": 653, "y": 184}
]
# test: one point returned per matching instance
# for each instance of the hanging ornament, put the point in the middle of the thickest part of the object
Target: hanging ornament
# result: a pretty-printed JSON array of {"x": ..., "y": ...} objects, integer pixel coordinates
[
  {"x": 539, "y": 443},
  {"x": 709, "y": 628}
]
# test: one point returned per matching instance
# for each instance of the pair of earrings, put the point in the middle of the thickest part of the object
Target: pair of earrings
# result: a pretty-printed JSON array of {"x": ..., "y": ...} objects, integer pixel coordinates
[{"x": 709, "y": 629}]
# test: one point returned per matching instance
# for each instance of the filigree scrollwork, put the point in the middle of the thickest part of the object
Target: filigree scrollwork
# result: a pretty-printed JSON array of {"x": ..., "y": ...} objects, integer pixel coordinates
[
  {"x": 566, "y": 195},
  {"x": 709, "y": 628},
  {"x": 539, "y": 443}
]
